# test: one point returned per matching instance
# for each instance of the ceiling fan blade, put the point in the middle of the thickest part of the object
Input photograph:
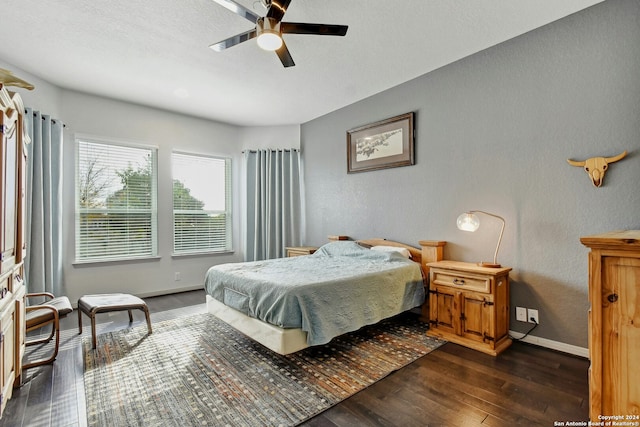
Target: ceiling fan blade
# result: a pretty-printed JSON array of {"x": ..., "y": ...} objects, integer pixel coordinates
[
  {"x": 277, "y": 9},
  {"x": 238, "y": 9},
  {"x": 316, "y": 29},
  {"x": 232, "y": 41},
  {"x": 285, "y": 56}
]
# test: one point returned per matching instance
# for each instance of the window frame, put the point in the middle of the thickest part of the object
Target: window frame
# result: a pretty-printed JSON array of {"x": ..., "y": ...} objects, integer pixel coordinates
[
  {"x": 228, "y": 211},
  {"x": 152, "y": 211}
]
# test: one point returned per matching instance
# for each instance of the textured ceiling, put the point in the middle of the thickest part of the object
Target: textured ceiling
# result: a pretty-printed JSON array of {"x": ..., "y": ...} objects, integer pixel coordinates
[{"x": 155, "y": 52}]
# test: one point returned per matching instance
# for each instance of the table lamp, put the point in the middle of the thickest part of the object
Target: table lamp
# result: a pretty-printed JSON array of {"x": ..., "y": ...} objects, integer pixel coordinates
[{"x": 469, "y": 221}]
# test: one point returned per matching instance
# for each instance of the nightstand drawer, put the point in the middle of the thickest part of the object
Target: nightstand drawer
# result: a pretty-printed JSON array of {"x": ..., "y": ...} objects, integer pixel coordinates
[{"x": 446, "y": 278}]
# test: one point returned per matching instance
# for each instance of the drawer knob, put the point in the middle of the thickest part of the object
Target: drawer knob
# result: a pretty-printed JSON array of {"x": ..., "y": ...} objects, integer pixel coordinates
[
  {"x": 458, "y": 282},
  {"x": 612, "y": 297}
]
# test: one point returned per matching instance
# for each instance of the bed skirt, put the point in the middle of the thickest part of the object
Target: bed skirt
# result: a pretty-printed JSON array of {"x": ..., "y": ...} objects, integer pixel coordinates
[{"x": 279, "y": 340}]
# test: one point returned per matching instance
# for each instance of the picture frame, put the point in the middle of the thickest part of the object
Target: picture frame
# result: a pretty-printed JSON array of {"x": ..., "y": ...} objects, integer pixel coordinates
[{"x": 384, "y": 144}]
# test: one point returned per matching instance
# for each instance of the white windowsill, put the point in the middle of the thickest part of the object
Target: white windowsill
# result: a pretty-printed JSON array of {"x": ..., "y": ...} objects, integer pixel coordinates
[{"x": 93, "y": 263}]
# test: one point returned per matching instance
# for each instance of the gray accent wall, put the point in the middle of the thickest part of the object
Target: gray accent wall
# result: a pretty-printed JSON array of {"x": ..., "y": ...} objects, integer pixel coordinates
[{"x": 494, "y": 132}]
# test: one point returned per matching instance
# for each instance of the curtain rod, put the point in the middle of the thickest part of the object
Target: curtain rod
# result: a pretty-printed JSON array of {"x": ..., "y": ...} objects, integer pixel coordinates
[
  {"x": 272, "y": 149},
  {"x": 52, "y": 120}
]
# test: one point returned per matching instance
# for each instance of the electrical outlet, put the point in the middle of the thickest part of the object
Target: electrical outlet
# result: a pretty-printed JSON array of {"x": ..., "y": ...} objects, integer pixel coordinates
[
  {"x": 532, "y": 314},
  {"x": 176, "y": 276},
  {"x": 521, "y": 314}
]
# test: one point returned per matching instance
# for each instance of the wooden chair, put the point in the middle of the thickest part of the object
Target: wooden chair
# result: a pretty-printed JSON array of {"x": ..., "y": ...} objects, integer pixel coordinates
[{"x": 42, "y": 315}]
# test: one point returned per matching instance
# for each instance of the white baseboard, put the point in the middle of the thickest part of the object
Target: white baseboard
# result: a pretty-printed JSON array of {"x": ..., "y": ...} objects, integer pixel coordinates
[{"x": 553, "y": 345}]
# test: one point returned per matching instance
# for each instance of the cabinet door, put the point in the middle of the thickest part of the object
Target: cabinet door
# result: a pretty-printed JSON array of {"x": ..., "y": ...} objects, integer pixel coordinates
[
  {"x": 620, "y": 336},
  {"x": 21, "y": 202},
  {"x": 7, "y": 361},
  {"x": 476, "y": 317},
  {"x": 19, "y": 319},
  {"x": 444, "y": 310},
  {"x": 8, "y": 164}
]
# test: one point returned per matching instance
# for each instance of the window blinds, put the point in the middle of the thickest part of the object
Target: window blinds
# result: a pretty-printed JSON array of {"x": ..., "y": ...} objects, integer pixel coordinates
[
  {"x": 201, "y": 203},
  {"x": 116, "y": 201}
]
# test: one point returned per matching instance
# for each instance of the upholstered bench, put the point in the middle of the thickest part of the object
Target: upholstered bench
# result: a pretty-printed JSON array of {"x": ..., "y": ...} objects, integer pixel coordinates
[{"x": 104, "y": 303}]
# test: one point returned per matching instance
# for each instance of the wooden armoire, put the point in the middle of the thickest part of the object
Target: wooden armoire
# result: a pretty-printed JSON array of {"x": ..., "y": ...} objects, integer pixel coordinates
[
  {"x": 614, "y": 326},
  {"x": 12, "y": 241}
]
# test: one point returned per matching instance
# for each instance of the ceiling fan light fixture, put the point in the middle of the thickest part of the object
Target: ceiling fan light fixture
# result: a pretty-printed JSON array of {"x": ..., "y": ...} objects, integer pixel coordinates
[
  {"x": 268, "y": 30},
  {"x": 269, "y": 41}
]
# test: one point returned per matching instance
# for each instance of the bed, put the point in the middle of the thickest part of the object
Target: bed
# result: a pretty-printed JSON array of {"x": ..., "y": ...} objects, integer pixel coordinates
[{"x": 288, "y": 304}]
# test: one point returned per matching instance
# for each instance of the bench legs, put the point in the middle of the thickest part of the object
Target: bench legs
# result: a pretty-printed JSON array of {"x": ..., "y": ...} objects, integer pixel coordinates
[{"x": 92, "y": 315}]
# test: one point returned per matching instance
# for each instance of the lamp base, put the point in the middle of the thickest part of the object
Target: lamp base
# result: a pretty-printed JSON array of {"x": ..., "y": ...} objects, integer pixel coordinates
[{"x": 488, "y": 264}]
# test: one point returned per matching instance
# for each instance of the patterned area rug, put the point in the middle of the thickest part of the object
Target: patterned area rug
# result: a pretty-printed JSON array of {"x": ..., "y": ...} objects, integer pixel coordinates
[{"x": 197, "y": 371}]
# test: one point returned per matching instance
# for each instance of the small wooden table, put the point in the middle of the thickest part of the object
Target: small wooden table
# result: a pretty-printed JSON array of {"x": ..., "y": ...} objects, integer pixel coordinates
[
  {"x": 104, "y": 303},
  {"x": 300, "y": 250},
  {"x": 469, "y": 305}
]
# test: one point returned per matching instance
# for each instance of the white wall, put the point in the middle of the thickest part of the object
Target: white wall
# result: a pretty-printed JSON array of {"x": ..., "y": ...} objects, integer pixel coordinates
[
  {"x": 258, "y": 137},
  {"x": 116, "y": 120},
  {"x": 96, "y": 116},
  {"x": 45, "y": 97}
]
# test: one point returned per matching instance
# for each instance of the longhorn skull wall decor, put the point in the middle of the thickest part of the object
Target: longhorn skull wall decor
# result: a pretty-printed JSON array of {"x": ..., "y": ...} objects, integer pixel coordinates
[{"x": 597, "y": 166}]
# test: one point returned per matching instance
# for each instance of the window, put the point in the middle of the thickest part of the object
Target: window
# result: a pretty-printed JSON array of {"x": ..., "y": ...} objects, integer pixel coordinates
[
  {"x": 201, "y": 203},
  {"x": 116, "y": 208}
]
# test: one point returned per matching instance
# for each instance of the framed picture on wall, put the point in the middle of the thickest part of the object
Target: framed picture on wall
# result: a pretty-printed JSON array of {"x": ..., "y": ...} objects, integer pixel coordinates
[{"x": 380, "y": 145}]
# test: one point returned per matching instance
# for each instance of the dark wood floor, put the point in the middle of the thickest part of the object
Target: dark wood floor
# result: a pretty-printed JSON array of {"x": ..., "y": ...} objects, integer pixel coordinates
[{"x": 452, "y": 386}]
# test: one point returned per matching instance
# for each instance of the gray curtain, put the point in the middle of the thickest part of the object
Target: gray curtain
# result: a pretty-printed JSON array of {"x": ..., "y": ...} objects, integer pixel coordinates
[
  {"x": 43, "y": 264},
  {"x": 274, "y": 205}
]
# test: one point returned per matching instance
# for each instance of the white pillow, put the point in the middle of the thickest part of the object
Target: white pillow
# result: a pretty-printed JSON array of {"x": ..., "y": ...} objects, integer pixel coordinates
[{"x": 402, "y": 251}]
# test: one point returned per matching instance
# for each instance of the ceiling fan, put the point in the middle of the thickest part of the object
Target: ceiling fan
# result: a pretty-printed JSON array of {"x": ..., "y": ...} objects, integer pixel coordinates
[{"x": 269, "y": 29}]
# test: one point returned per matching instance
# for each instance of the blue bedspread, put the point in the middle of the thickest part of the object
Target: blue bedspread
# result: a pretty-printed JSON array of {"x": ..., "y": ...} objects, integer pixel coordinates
[{"x": 338, "y": 289}]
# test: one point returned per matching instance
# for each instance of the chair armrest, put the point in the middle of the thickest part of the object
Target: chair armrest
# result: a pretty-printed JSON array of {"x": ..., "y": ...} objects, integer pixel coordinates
[
  {"x": 41, "y": 294},
  {"x": 41, "y": 319}
]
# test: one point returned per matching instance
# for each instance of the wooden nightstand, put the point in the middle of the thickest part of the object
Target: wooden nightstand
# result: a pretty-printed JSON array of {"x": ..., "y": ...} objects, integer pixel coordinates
[
  {"x": 300, "y": 250},
  {"x": 469, "y": 305}
]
